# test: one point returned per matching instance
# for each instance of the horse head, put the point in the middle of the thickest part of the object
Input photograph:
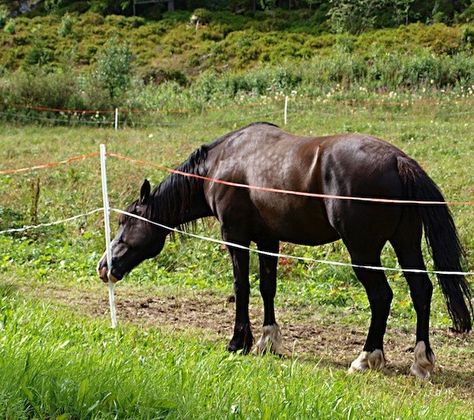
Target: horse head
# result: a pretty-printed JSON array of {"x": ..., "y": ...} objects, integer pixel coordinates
[{"x": 135, "y": 241}]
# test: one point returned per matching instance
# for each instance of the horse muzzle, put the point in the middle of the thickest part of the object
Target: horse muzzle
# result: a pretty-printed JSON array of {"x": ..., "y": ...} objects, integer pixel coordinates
[{"x": 104, "y": 273}]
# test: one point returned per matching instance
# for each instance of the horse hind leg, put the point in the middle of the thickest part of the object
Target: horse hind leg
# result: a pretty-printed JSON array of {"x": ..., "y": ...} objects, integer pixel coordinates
[
  {"x": 271, "y": 339},
  {"x": 380, "y": 297},
  {"x": 409, "y": 254}
]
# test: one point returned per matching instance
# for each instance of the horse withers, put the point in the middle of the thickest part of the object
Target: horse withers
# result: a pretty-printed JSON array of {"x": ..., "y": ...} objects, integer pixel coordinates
[{"x": 350, "y": 165}]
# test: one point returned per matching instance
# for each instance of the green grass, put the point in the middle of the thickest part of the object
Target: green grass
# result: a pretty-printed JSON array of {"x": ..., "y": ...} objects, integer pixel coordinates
[
  {"x": 55, "y": 359},
  {"x": 57, "y": 363}
]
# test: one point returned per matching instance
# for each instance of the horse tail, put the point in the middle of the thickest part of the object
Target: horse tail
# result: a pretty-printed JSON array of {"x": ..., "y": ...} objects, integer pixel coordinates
[{"x": 443, "y": 240}]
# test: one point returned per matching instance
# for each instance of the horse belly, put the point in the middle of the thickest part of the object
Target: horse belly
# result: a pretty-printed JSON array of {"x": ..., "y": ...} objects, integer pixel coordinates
[{"x": 297, "y": 219}]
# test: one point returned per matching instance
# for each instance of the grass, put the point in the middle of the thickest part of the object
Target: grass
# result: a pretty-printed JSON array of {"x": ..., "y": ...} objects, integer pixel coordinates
[
  {"x": 57, "y": 360},
  {"x": 59, "y": 364}
]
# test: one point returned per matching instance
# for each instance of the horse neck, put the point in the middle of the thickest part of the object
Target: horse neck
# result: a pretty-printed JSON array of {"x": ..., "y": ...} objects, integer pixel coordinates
[{"x": 180, "y": 201}]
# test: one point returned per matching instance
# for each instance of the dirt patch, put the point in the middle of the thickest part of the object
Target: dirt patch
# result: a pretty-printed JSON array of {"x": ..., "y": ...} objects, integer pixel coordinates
[{"x": 331, "y": 344}]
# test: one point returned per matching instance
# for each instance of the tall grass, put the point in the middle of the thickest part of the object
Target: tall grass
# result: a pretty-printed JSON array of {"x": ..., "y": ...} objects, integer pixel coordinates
[{"x": 58, "y": 364}]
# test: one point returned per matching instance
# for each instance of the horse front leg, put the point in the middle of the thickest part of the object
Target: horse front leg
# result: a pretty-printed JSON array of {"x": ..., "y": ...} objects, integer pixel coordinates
[
  {"x": 242, "y": 338},
  {"x": 271, "y": 340}
]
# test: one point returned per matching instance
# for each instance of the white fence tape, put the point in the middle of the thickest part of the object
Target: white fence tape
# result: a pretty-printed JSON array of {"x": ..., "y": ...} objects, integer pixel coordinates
[
  {"x": 57, "y": 222},
  {"x": 307, "y": 259}
]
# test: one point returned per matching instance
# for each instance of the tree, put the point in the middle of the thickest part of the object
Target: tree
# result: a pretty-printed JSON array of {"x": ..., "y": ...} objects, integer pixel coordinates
[{"x": 113, "y": 70}]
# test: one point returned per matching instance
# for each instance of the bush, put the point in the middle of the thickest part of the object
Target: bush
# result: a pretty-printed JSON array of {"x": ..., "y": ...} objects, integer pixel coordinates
[
  {"x": 357, "y": 16},
  {"x": 10, "y": 26},
  {"x": 113, "y": 70},
  {"x": 65, "y": 27},
  {"x": 203, "y": 16}
]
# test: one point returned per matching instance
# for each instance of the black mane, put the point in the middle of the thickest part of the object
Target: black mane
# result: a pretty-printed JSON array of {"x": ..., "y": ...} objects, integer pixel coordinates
[{"x": 175, "y": 194}]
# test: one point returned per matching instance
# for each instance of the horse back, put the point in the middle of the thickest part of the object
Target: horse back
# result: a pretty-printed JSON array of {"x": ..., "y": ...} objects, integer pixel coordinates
[{"x": 266, "y": 156}]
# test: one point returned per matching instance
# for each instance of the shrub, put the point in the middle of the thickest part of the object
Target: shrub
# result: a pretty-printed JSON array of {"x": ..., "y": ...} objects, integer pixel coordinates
[
  {"x": 203, "y": 16},
  {"x": 113, "y": 70},
  {"x": 10, "y": 26},
  {"x": 467, "y": 16},
  {"x": 65, "y": 28},
  {"x": 52, "y": 6}
]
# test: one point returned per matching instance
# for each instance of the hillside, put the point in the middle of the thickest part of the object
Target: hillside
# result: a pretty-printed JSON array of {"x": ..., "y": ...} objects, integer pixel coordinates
[
  {"x": 227, "y": 42},
  {"x": 88, "y": 61}
]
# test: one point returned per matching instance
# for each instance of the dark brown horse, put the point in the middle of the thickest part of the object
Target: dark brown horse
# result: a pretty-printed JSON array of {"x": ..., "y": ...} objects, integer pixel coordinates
[{"x": 347, "y": 165}]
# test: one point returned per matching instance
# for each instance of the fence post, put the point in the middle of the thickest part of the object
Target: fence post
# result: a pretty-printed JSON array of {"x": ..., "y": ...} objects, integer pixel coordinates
[
  {"x": 116, "y": 119},
  {"x": 285, "y": 117},
  {"x": 108, "y": 250}
]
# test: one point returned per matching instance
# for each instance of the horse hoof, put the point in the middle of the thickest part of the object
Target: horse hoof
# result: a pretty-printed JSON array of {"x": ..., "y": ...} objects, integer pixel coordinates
[
  {"x": 424, "y": 362},
  {"x": 376, "y": 360},
  {"x": 270, "y": 341},
  {"x": 242, "y": 339},
  {"x": 368, "y": 360}
]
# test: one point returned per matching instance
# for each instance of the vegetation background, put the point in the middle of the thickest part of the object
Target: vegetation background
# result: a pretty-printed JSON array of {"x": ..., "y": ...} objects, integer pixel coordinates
[
  {"x": 83, "y": 55},
  {"x": 183, "y": 73}
]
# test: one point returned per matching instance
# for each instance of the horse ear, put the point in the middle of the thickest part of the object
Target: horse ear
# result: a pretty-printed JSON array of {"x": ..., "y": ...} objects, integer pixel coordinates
[{"x": 145, "y": 192}]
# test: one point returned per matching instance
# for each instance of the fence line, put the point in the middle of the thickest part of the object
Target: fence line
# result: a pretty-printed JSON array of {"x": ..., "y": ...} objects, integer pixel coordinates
[
  {"x": 130, "y": 123},
  {"x": 290, "y": 192},
  {"x": 64, "y": 111},
  {"x": 41, "y": 108},
  {"x": 220, "y": 122},
  {"x": 50, "y": 164},
  {"x": 293, "y": 98},
  {"x": 288, "y": 256},
  {"x": 296, "y": 107},
  {"x": 46, "y": 119},
  {"x": 57, "y": 222}
]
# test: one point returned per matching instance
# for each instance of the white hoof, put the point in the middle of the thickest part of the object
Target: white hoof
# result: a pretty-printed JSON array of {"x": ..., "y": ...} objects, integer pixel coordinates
[
  {"x": 368, "y": 360},
  {"x": 423, "y": 364},
  {"x": 270, "y": 341}
]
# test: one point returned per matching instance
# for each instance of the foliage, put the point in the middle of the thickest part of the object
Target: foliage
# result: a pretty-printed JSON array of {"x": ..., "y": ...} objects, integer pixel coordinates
[
  {"x": 10, "y": 26},
  {"x": 4, "y": 14},
  {"x": 52, "y": 6},
  {"x": 65, "y": 28},
  {"x": 113, "y": 69},
  {"x": 203, "y": 15},
  {"x": 357, "y": 16}
]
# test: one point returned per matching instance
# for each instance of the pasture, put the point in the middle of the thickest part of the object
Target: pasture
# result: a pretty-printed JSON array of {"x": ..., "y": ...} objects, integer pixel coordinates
[{"x": 59, "y": 358}]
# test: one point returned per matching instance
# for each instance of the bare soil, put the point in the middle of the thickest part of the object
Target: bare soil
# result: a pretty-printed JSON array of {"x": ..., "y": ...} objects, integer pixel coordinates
[{"x": 329, "y": 344}]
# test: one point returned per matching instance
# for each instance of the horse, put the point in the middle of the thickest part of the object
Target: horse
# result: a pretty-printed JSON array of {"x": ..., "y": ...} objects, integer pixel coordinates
[{"x": 351, "y": 165}]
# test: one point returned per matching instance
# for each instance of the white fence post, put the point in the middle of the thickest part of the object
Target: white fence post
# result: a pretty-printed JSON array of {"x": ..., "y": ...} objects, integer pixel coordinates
[
  {"x": 286, "y": 110},
  {"x": 108, "y": 250},
  {"x": 116, "y": 119}
]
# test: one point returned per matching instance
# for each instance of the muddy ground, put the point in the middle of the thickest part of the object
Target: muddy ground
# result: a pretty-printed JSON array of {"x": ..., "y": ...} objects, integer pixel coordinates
[{"x": 305, "y": 336}]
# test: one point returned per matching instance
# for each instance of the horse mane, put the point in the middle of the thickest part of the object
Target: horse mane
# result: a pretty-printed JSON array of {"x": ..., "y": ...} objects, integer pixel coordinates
[{"x": 175, "y": 194}]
